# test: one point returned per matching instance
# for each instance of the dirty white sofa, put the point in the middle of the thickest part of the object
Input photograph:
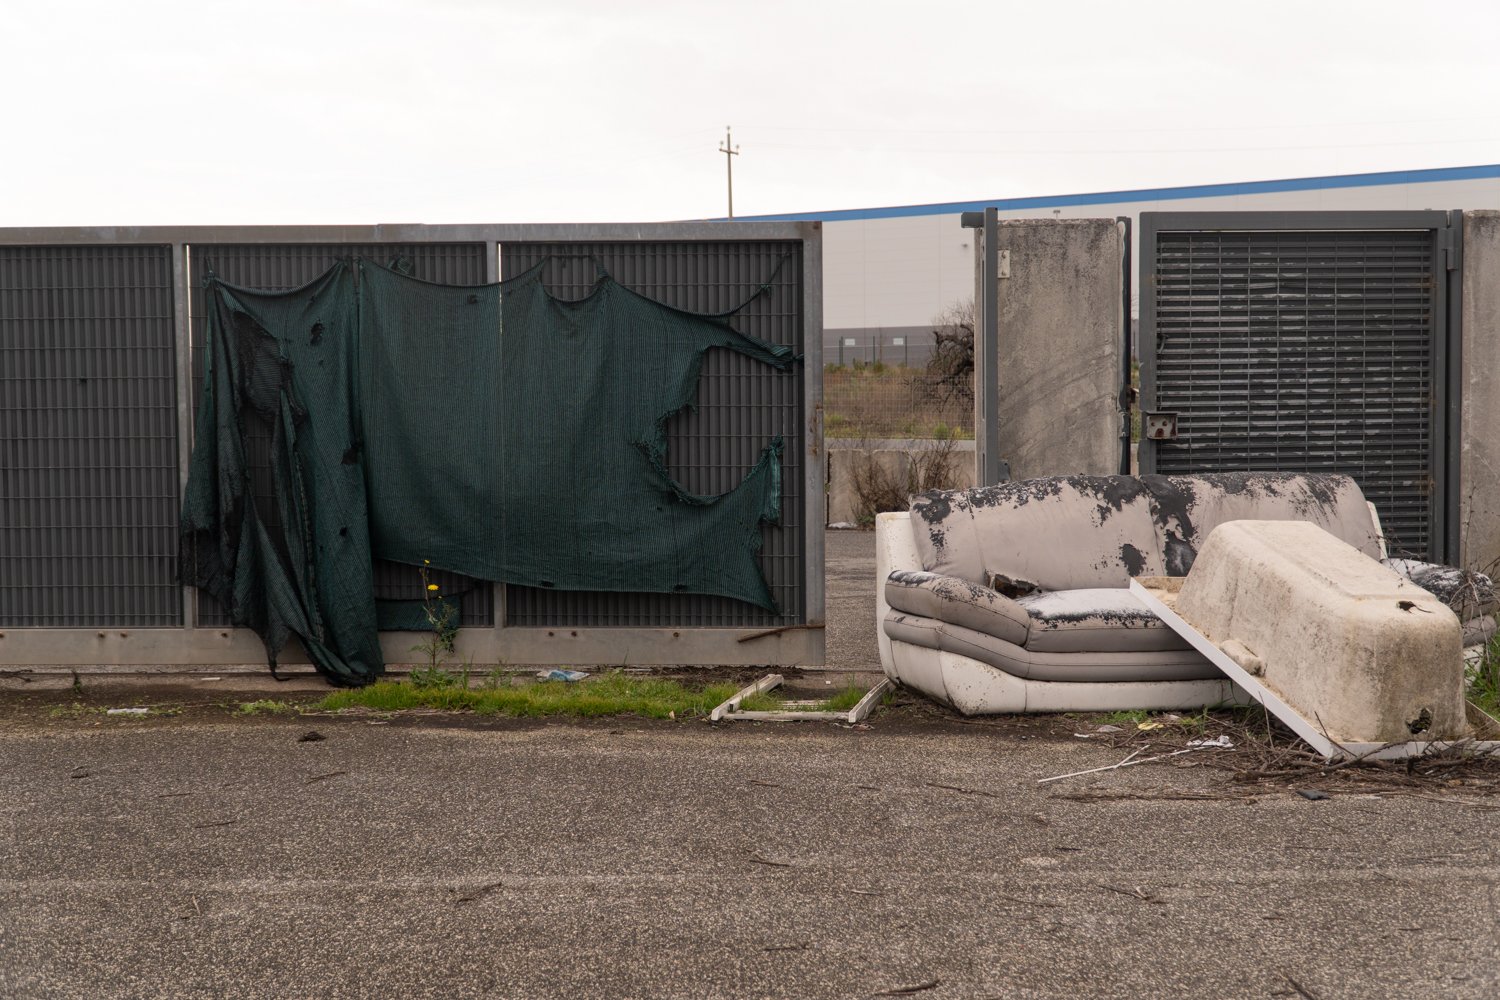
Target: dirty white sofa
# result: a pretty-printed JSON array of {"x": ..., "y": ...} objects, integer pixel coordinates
[{"x": 1012, "y": 598}]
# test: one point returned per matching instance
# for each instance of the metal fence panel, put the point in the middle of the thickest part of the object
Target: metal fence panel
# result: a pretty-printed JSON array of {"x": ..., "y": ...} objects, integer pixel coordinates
[
  {"x": 741, "y": 406},
  {"x": 88, "y": 437},
  {"x": 279, "y": 266},
  {"x": 1313, "y": 348}
]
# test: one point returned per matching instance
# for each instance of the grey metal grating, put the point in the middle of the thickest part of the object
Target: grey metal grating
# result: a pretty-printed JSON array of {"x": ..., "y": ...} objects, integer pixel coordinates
[
  {"x": 88, "y": 438},
  {"x": 289, "y": 265},
  {"x": 741, "y": 406},
  {"x": 1304, "y": 351}
]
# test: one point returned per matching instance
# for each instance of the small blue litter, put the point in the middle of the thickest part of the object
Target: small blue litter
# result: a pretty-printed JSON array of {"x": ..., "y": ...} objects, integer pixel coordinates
[{"x": 562, "y": 675}]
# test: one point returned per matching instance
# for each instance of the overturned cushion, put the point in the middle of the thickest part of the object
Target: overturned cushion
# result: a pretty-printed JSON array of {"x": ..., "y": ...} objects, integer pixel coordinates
[
  {"x": 1019, "y": 661},
  {"x": 1095, "y": 620},
  {"x": 1469, "y": 594},
  {"x": 950, "y": 599}
]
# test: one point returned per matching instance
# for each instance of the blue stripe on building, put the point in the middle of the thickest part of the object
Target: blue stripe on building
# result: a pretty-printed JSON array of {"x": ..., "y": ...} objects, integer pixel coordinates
[{"x": 1385, "y": 178}]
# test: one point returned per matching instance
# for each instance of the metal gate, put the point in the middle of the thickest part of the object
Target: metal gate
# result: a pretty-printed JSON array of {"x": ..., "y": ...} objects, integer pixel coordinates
[
  {"x": 99, "y": 330},
  {"x": 1308, "y": 342}
]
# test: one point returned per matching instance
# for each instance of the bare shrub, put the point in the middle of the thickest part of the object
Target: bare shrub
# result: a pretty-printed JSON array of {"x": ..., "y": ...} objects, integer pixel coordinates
[
  {"x": 886, "y": 481},
  {"x": 950, "y": 370}
]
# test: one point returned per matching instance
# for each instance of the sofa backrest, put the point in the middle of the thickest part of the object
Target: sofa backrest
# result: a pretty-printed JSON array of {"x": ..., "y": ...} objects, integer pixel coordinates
[
  {"x": 1186, "y": 508},
  {"x": 1072, "y": 532},
  {"x": 1059, "y": 533}
]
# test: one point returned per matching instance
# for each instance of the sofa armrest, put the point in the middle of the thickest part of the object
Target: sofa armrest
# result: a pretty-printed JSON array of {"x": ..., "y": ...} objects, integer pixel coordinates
[
  {"x": 895, "y": 550},
  {"x": 958, "y": 602}
]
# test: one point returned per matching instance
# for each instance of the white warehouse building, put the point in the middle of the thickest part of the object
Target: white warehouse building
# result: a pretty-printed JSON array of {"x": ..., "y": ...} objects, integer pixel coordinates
[{"x": 888, "y": 272}]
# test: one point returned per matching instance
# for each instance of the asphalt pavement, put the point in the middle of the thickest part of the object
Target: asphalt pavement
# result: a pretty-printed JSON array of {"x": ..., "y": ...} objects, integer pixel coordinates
[{"x": 207, "y": 855}]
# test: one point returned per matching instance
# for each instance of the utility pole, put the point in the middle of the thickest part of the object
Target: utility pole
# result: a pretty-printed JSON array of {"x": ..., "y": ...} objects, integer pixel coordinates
[{"x": 730, "y": 151}]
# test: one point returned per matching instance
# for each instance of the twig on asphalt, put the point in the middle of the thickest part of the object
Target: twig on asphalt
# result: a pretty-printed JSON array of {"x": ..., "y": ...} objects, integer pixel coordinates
[
  {"x": 962, "y": 791},
  {"x": 1136, "y": 893},
  {"x": 1301, "y": 990},
  {"x": 474, "y": 894},
  {"x": 757, "y": 859},
  {"x": 901, "y": 991}
]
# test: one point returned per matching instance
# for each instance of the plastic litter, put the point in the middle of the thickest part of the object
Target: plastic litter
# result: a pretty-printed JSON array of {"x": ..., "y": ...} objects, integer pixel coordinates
[
  {"x": 1148, "y": 726},
  {"x": 1217, "y": 741},
  {"x": 562, "y": 675},
  {"x": 127, "y": 711},
  {"x": 1109, "y": 729}
]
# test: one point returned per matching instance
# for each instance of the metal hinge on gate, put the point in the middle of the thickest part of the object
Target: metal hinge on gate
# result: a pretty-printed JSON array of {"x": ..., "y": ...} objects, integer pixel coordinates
[
  {"x": 1448, "y": 241},
  {"x": 1159, "y": 425}
]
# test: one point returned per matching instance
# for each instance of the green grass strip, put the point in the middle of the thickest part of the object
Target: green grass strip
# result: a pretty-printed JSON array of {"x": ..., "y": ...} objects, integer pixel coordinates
[{"x": 606, "y": 694}]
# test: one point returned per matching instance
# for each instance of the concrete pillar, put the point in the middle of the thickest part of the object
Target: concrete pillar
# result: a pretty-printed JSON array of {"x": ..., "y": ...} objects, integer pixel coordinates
[
  {"x": 1479, "y": 460},
  {"x": 1061, "y": 327}
]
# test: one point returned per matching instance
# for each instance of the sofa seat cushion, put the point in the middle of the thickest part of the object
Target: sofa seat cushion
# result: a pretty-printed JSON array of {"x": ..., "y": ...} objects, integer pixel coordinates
[
  {"x": 1469, "y": 594},
  {"x": 950, "y": 599},
  {"x": 1095, "y": 620},
  {"x": 1019, "y": 661}
]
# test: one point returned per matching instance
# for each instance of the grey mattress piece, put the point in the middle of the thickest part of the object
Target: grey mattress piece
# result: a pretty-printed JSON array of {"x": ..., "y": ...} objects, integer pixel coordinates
[
  {"x": 1095, "y": 620},
  {"x": 1469, "y": 594},
  {"x": 1083, "y": 667}
]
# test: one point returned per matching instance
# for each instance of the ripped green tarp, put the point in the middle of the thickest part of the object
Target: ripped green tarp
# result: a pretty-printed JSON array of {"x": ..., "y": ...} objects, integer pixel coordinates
[{"x": 494, "y": 430}]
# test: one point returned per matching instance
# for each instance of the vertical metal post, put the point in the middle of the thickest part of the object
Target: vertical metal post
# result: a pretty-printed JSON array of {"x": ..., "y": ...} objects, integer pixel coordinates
[
  {"x": 989, "y": 467},
  {"x": 1453, "y": 396},
  {"x": 1125, "y": 395},
  {"x": 815, "y": 452},
  {"x": 492, "y": 272},
  {"x": 182, "y": 341}
]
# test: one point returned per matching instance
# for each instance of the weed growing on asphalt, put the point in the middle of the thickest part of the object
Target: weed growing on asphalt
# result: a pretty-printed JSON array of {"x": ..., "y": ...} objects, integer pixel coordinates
[
  {"x": 1484, "y": 679},
  {"x": 265, "y": 707},
  {"x": 442, "y": 616}
]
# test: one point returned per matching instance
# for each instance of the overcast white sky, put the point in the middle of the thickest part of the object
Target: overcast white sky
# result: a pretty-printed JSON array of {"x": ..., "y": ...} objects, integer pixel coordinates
[{"x": 167, "y": 112}]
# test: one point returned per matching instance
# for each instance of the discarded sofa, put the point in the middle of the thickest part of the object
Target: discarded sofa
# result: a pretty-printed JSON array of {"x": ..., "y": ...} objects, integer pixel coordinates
[{"x": 1012, "y": 598}]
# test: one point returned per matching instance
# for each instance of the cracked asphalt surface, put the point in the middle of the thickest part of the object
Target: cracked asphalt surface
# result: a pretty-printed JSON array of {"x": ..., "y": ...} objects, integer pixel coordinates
[{"x": 209, "y": 856}]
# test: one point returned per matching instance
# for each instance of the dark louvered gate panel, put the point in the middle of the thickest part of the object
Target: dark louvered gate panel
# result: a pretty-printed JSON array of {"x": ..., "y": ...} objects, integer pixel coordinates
[
  {"x": 289, "y": 265},
  {"x": 742, "y": 405},
  {"x": 1303, "y": 351},
  {"x": 88, "y": 437}
]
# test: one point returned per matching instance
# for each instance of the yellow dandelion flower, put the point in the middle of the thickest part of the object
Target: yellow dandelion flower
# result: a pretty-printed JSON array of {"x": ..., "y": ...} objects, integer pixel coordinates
[{"x": 432, "y": 586}]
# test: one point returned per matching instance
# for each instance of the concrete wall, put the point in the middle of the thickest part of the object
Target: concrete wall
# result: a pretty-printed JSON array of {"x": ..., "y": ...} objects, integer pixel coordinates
[
  {"x": 1479, "y": 460},
  {"x": 1061, "y": 328},
  {"x": 894, "y": 458}
]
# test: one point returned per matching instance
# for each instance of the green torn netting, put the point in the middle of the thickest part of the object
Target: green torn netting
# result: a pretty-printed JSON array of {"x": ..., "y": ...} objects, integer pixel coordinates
[{"x": 492, "y": 429}]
